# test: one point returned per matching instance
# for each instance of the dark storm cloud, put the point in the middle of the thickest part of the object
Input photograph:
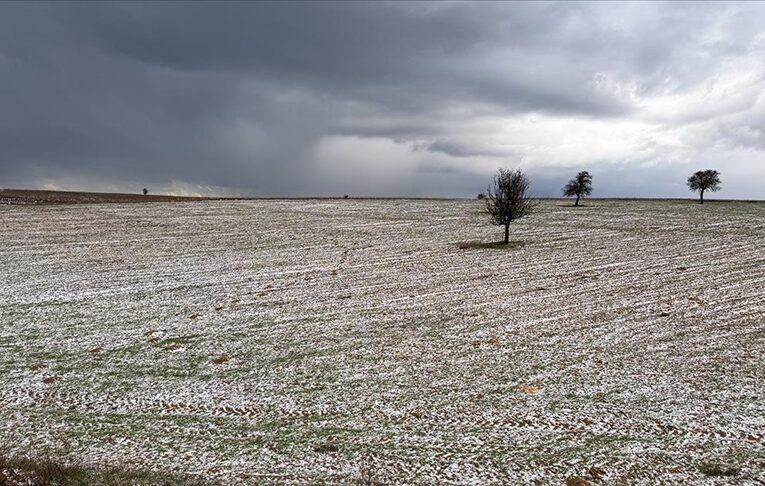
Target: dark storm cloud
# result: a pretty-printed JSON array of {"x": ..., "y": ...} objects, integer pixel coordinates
[{"x": 295, "y": 98}]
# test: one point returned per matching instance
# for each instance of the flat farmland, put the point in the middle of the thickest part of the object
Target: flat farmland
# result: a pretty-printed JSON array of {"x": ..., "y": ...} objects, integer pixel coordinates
[{"x": 355, "y": 342}]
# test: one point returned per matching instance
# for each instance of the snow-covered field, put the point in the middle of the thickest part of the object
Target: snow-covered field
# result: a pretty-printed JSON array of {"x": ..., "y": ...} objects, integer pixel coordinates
[{"x": 354, "y": 341}]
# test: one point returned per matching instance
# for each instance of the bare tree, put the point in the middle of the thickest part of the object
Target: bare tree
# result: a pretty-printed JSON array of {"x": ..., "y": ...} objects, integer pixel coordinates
[
  {"x": 704, "y": 180},
  {"x": 579, "y": 186},
  {"x": 145, "y": 191},
  {"x": 507, "y": 198}
]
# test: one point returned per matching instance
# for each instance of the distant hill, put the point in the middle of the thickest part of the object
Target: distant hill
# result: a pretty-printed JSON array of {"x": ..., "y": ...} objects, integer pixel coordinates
[{"x": 28, "y": 196}]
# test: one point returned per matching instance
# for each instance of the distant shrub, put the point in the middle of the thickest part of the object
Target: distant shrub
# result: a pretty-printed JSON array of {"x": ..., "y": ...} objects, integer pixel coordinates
[{"x": 481, "y": 196}]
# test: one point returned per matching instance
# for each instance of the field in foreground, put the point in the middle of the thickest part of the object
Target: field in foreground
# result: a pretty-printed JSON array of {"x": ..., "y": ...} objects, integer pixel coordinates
[{"x": 295, "y": 342}]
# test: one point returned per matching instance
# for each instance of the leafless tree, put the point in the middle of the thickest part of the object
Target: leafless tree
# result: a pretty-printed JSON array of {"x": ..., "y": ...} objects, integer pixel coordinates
[
  {"x": 579, "y": 186},
  {"x": 507, "y": 198},
  {"x": 145, "y": 191},
  {"x": 704, "y": 180}
]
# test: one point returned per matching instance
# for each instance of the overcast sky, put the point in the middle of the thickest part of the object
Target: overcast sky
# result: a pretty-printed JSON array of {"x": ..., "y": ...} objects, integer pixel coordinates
[{"x": 423, "y": 99}]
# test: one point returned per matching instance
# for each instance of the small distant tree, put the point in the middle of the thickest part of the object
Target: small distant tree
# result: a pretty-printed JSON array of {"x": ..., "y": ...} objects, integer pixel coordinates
[
  {"x": 481, "y": 196},
  {"x": 145, "y": 191},
  {"x": 704, "y": 180},
  {"x": 507, "y": 198},
  {"x": 579, "y": 186}
]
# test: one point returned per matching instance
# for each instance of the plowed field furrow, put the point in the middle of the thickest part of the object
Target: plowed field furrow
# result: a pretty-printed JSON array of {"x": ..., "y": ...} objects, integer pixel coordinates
[{"x": 296, "y": 342}]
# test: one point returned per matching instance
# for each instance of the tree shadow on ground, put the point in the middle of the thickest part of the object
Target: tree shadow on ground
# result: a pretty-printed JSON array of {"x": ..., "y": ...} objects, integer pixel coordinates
[{"x": 494, "y": 245}]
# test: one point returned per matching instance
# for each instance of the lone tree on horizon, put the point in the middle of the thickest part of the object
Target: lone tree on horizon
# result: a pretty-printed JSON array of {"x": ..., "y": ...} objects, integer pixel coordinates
[
  {"x": 145, "y": 191},
  {"x": 507, "y": 198},
  {"x": 579, "y": 186},
  {"x": 704, "y": 180}
]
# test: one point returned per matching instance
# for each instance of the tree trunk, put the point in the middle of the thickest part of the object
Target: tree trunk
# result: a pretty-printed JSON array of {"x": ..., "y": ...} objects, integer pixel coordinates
[
  {"x": 577, "y": 200},
  {"x": 507, "y": 233},
  {"x": 702, "y": 196}
]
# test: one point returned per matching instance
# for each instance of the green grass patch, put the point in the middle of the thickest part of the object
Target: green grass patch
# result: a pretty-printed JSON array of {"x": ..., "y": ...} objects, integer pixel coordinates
[{"x": 46, "y": 471}]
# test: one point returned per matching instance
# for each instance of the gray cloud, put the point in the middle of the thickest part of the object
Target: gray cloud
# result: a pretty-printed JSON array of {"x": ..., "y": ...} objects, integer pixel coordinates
[{"x": 298, "y": 98}]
